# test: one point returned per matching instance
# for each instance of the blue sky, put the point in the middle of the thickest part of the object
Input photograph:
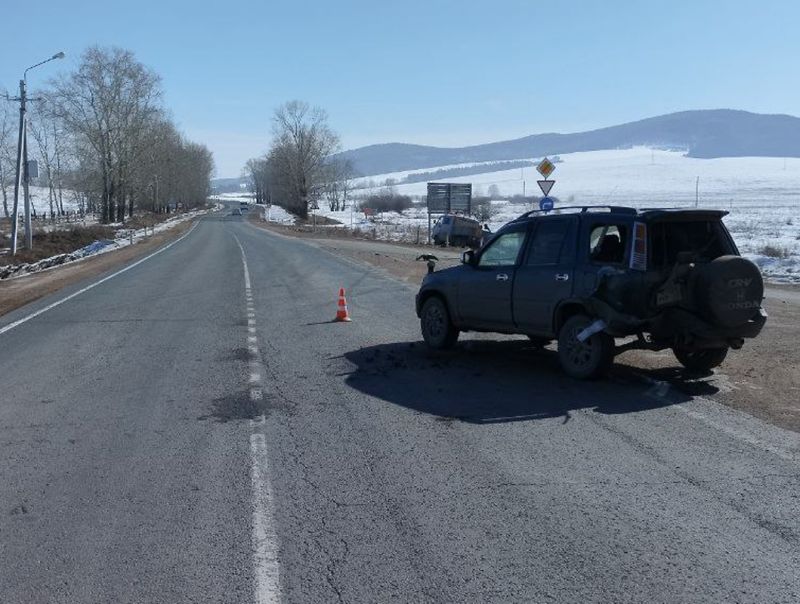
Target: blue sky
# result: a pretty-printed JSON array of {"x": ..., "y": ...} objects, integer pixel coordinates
[{"x": 444, "y": 73}]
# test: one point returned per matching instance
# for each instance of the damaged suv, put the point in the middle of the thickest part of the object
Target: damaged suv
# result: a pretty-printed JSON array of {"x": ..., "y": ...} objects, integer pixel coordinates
[{"x": 590, "y": 276}]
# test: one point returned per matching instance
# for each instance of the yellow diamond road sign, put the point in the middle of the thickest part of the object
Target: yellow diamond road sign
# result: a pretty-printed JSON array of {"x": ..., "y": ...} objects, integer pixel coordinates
[{"x": 545, "y": 167}]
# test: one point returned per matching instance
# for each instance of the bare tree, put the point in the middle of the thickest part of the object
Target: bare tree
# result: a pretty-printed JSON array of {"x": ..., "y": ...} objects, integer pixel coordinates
[
  {"x": 103, "y": 137},
  {"x": 7, "y": 151},
  {"x": 44, "y": 132},
  {"x": 338, "y": 183},
  {"x": 257, "y": 170},
  {"x": 107, "y": 104},
  {"x": 302, "y": 142},
  {"x": 171, "y": 170}
]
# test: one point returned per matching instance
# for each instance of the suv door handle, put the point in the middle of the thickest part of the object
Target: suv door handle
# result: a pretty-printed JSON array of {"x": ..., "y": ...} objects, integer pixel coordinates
[
  {"x": 501, "y": 277},
  {"x": 562, "y": 276}
]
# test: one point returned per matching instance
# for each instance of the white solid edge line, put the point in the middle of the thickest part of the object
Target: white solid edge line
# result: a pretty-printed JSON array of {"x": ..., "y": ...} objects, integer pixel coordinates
[
  {"x": 33, "y": 315},
  {"x": 782, "y": 446},
  {"x": 741, "y": 434}
]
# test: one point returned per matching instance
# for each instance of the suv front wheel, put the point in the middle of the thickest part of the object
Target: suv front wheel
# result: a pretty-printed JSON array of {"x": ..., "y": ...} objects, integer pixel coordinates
[
  {"x": 704, "y": 359},
  {"x": 588, "y": 359},
  {"x": 438, "y": 330}
]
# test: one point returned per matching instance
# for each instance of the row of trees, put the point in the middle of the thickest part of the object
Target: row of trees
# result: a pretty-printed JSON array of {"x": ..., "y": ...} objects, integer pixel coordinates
[
  {"x": 102, "y": 136},
  {"x": 301, "y": 168}
]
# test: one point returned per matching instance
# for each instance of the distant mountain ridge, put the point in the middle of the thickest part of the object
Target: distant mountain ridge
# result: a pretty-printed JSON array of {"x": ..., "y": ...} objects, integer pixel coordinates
[{"x": 703, "y": 133}]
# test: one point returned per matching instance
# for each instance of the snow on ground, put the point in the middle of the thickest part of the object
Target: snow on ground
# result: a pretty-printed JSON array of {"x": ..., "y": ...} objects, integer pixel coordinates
[
  {"x": 272, "y": 213},
  {"x": 370, "y": 183},
  {"x": 641, "y": 175},
  {"x": 40, "y": 199},
  {"x": 762, "y": 195}
]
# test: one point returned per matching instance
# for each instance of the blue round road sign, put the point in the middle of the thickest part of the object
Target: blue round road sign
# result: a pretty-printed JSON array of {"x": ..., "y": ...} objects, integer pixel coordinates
[{"x": 546, "y": 204}]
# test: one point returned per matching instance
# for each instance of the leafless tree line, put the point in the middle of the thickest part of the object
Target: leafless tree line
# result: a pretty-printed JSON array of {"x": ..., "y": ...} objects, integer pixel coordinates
[
  {"x": 301, "y": 168},
  {"x": 102, "y": 135}
]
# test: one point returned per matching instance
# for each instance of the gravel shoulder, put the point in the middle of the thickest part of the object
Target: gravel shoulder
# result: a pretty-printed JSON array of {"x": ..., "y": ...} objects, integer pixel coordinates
[{"x": 762, "y": 379}]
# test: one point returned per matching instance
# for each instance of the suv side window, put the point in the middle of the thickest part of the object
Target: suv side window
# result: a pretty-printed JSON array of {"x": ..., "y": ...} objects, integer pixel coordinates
[
  {"x": 547, "y": 242},
  {"x": 607, "y": 243},
  {"x": 503, "y": 251}
]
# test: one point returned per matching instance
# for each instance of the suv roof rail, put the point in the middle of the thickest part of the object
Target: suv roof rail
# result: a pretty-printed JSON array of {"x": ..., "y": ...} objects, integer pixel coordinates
[{"x": 583, "y": 210}]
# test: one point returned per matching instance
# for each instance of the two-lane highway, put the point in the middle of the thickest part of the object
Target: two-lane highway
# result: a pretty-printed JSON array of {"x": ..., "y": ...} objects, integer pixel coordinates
[{"x": 197, "y": 429}]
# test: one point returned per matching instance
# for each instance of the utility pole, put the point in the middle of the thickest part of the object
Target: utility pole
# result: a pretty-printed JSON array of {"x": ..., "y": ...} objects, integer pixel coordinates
[
  {"x": 18, "y": 179},
  {"x": 26, "y": 182},
  {"x": 697, "y": 192},
  {"x": 22, "y": 162}
]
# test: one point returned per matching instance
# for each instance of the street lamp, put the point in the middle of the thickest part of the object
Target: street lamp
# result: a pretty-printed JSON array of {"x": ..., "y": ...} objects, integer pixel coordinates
[{"x": 22, "y": 161}]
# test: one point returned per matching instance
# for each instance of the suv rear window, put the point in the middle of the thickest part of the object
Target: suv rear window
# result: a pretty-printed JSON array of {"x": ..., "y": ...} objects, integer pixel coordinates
[
  {"x": 607, "y": 243},
  {"x": 705, "y": 239}
]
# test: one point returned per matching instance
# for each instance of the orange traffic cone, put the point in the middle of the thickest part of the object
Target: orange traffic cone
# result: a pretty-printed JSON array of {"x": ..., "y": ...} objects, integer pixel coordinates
[{"x": 341, "y": 312}]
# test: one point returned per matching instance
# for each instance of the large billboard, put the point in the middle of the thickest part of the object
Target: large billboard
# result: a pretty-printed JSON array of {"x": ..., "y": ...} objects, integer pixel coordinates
[{"x": 449, "y": 197}]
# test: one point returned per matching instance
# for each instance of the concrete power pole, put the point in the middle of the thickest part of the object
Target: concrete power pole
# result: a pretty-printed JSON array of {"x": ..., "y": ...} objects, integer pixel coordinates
[
  {"x": 26, "y": 177},
  {"x": 697, "y": 192},
  {"x": 18, "y": 179},
  {"x": 22, "y": 162}
]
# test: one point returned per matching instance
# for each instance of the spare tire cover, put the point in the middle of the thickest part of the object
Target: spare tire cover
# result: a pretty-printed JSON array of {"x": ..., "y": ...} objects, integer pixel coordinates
[{"x": 728, "y": 290}]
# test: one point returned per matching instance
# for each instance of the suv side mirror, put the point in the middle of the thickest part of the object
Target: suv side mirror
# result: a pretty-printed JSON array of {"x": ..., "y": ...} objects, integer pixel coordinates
[{"x": 468, "y": 257}]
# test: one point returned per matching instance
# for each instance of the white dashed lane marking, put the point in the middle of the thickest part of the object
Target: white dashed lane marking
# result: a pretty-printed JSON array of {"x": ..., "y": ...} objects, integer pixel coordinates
[{"x": 266, "y": 568}]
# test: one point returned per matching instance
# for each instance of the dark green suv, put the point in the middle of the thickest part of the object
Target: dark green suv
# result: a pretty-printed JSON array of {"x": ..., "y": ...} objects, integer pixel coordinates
[{"x": 590, "y": 276}]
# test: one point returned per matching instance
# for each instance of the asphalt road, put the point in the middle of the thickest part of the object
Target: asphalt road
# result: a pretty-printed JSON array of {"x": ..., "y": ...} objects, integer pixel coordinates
[{"x": 194, "y": 431}]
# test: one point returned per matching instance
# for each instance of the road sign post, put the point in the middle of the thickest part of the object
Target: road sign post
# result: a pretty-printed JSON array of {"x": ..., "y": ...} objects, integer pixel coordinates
[
  {"x": 546, "y": 168},
  {"x": 447, "y": 197},
  {"x": 545, "y": 186}
]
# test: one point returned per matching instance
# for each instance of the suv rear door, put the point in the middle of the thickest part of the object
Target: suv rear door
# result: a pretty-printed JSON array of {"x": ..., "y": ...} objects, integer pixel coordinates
[
  {"x": 484, "y": 289},
  {"x": 603, "y": 242},
  {"x": 545, "y": 275}
]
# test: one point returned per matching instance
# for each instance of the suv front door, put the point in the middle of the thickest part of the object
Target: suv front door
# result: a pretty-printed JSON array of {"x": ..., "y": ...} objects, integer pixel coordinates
[
  {"x": 545, "y": 275},
  {"x": 484, "y": 290}
]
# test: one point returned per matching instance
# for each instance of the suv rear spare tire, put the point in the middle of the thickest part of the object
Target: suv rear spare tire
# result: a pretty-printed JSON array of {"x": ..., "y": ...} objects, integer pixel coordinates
[
  {"x": 588, "y": 359},
  {"x": 438, "y": 330},
  {"x": 728, "y": 290}
]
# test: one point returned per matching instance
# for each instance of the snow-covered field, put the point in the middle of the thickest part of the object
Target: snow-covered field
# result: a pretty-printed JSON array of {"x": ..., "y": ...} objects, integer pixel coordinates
[
  {"x": 762, "y": 195},
  {"x": 40, "y": 199}
]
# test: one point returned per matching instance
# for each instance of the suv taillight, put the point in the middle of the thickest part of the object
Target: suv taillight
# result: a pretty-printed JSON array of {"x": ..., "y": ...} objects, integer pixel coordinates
[{"x": 639, "y": 251}]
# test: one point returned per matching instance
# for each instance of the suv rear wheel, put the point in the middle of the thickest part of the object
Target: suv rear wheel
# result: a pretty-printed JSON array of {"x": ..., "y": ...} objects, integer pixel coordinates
[
  {"x": 438, "y": 330},
  {"x": 704, "y": 359},
  {"x": 588, "y": 359}
]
